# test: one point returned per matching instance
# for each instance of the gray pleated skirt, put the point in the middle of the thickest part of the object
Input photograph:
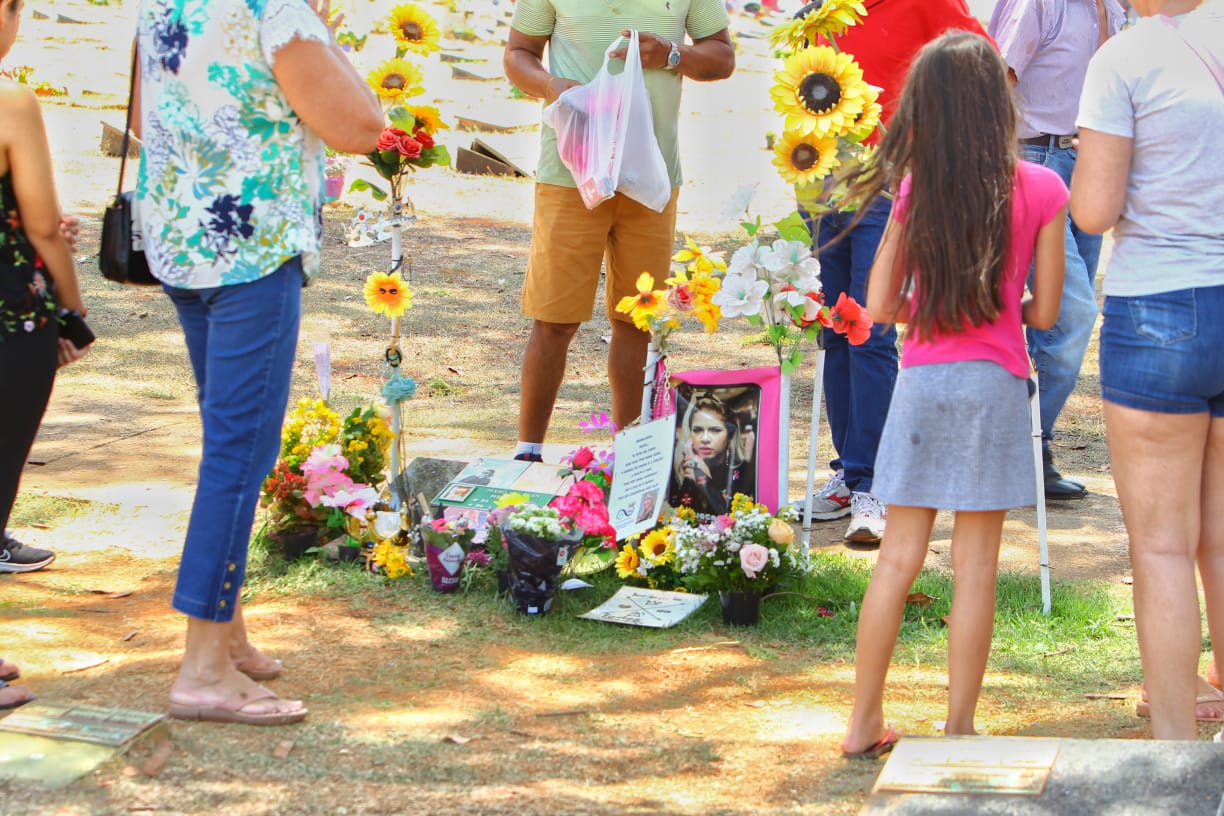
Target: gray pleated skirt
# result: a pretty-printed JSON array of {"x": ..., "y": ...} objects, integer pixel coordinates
[{"x": 958, "y": 437}]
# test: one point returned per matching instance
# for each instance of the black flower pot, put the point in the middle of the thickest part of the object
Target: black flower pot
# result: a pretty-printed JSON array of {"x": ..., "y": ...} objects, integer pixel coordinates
[
  {"x": 295, "y": 543},
  {"x": 349, "y": 555},
  {"x": 535, "y": 564},
  {"x": 740, "y": 608}
]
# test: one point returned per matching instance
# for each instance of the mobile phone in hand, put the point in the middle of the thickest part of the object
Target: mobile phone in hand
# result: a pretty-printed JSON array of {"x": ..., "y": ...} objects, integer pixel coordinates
[{"x": 75, "y": 330}]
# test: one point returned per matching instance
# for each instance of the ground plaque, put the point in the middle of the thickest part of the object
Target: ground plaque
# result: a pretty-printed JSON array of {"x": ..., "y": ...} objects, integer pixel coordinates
[
  {"x": 57, "y": 744},
  {"x": 995, "y": 765}
]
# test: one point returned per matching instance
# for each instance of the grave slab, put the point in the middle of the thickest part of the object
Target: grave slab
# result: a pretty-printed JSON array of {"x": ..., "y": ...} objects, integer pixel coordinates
[{"x": 1023, "y": 776}]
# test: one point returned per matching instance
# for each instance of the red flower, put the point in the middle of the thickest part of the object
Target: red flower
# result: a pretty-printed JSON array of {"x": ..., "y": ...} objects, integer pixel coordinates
[
  {"x": 408, "y": 147},
  {"x": 424, "y": 138},
  {"x": 582, "y": 458},
  {"x": 850, "y": 319},
  {"x": 389, "y": 138},
  {"x": 681, "y": 298}
]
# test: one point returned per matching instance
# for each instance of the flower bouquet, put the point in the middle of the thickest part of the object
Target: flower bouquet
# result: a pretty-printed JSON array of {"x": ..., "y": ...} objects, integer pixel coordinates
[
  {"x": 740, "y": 555},
  {"x": 326, "y": 469},
  {"x": 539, "y": 542},
  {"x": 650, "y": 561}
]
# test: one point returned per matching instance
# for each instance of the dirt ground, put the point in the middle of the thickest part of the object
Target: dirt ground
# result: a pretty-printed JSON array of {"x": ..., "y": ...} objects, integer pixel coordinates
[{"x": 416, "y": 708}]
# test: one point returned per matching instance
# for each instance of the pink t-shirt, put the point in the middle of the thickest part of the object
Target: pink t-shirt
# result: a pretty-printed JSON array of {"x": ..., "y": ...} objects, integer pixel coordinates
[{"x": 1038, "y": 196}]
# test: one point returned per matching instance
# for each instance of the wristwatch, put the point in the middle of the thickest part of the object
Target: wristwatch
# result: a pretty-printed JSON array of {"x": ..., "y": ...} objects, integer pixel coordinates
[{"x": 673, "y": 58}]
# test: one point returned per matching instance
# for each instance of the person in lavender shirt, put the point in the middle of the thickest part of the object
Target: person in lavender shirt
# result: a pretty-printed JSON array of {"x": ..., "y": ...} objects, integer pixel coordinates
[{"x": 1047, "y": 45}]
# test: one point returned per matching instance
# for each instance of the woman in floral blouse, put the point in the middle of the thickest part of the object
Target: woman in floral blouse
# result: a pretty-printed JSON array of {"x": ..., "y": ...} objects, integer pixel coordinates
[{"x": 237, "y": 99}]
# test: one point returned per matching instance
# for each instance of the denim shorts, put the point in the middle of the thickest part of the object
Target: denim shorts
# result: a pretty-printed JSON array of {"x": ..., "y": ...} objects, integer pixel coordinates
[{"x": 1162, "y": 352}]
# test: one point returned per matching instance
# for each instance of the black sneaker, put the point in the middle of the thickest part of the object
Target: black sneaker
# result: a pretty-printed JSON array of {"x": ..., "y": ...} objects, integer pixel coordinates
[
  {"x": 529, "y": 457},
  {"x": 17, "y": 557}
]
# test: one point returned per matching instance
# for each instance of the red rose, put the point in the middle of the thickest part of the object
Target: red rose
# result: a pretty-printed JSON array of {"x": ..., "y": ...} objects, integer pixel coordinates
[
  {"x": 582, "y": 458},
  {"x": 389, "y": 137},
  {"x": 408, "y": 147},
  {"x": 424, "y": 138}
]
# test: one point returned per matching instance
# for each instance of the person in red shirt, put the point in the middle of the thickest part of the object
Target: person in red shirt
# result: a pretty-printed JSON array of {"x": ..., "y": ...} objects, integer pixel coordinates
[{"x": 858, "y": 380}]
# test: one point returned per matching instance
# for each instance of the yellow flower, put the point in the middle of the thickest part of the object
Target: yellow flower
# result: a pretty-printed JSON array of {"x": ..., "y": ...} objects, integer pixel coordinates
[
  {"x": 414, "y": 29},
  {"x": 699, "y": 259},
  {"x": 427, "y": 118},
  {"x": 627, "y": 562},
  {"x": 805, "y": 159},
  {"x": 780, "y": 532},
  {"x": 656, "y": 547},
  {"x": 387, "y": 294},
  {"x": 512, "y": 499},
  {"x": 685, "y": 513},
  {"x": 645, "y": 305},
  {"x": 867, "y": 120},
  {"x": 741, "y": 503},
  {"x": 396, "y": 78},
  {"x": 819, "y": 91},
  {"x": 830, "y": 18}
]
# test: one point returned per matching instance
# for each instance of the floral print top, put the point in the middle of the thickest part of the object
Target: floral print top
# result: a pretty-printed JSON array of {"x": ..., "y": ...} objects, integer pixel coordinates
[
  {"x": 230, "y": 178},
  {"x": 27, "y": 297}
]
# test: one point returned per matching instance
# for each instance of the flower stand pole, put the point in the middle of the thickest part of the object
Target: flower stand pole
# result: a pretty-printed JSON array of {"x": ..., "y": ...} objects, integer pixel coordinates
[
  {"x": 650, "y": 385},
  {"x": 813, "y": 438}
]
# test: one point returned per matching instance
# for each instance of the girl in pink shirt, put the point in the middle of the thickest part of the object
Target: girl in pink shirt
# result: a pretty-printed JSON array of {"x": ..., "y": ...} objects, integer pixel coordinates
[{"x": 968, "y": 221}]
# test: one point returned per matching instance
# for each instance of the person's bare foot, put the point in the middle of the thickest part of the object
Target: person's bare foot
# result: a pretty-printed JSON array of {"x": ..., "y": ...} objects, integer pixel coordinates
[
  {"x": 1213, "y": 674},
  {"x": 8, "y": 670},
  {"x": 13, "y": 696}
]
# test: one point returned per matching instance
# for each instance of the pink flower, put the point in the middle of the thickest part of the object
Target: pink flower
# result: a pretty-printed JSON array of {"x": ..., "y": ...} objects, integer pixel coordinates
[
  {"x": 680, "y": 298},
  {"x": 479, "y": 557},
  {"x": 598, "y": 422},
  {"x": 352, "y": 499},
  {"x": 753, "y": 559},
  {"x": 582, "y": 458},
  {"x": 388, "y": 139},
  {"x": 723, "y": 523},
  {"x": 408, "y": 147}
]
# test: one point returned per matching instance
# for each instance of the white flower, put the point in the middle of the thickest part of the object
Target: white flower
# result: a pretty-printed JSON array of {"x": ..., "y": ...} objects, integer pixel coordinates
[
  {"x": 791, "y": 263},
  {"x": 739, "y": 201},
  {"x": 740, "y": 295},
  {"x": 744, "y": 260}
]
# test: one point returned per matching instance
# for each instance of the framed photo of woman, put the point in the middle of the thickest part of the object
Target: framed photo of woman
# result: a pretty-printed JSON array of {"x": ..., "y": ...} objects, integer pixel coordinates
[{"x": 726, "y": 439}]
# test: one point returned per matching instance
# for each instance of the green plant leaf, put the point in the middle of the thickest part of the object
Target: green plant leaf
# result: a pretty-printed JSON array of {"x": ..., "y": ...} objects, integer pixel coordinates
[
  {"x": 402, "y": 119},
  {"x": 361, "y": 184},
  {"x": 793, "y": 228}
]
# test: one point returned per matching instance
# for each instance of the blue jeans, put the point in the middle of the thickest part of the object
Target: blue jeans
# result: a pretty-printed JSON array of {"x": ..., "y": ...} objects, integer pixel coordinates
[
  {"x": 1161, "y": 353},
  {"x": 1058, "y": 352},
  {"x": 241, "y": 340},
  {"x": 858, "y": 380}
]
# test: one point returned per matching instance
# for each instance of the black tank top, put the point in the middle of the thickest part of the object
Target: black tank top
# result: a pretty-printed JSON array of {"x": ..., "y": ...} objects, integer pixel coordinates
[{"x": 27, "y": 298}]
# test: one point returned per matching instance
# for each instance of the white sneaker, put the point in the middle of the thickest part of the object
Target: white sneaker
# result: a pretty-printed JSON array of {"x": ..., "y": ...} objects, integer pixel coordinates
[
  {"x": 867, "y": 518},
  {"x": 829, "y": 502}
]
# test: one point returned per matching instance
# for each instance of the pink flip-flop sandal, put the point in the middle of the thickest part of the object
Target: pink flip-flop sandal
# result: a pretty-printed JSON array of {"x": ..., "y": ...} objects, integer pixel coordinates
[
  {"x": 886, "y": 744},
  {"x": 231, "y": 711},
  {"x": 8, "y": 671}
]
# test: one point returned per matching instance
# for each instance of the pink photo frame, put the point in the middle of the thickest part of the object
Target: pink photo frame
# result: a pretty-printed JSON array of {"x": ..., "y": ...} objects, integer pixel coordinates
[{"x": 706, "y": 470}]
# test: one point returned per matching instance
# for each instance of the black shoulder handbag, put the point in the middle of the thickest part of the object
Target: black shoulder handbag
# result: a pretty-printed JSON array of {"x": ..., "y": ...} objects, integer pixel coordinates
[{"x": 117, "y": 259}]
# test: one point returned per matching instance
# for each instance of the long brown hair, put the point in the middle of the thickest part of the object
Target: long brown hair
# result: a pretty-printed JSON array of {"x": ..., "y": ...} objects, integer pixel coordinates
[{"x": 954, "y": 132}]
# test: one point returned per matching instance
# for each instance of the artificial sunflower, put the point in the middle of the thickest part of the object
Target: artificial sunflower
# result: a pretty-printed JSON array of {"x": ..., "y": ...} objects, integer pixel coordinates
[
  {"x": 414, "y": 29},
  {"x": 656, "y": 547},
  {"x": 396, "y": 78},
  {"x": 829, "y": 19},
  {"x": 820, "y": 92},
  {"x": 427, "y": 118},
  {"x": 869, "y": 117},
  {"x": 388, "y": 294},
  {"x": 627, "y": 562},
  {"x": 805, "y": 159},
  {"x": 645, "y": 304}
]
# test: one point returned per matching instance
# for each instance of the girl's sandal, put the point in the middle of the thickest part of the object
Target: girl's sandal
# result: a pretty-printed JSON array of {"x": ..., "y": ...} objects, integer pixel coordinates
[{"x": 886, "y": 744}]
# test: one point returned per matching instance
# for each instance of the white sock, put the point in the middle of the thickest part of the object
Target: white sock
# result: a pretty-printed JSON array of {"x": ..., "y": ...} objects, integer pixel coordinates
[{"x": 536, "y": 448}]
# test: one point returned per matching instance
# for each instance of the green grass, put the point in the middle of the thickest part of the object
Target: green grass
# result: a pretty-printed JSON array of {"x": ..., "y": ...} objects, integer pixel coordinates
[{"x": 1081, "y": 644}]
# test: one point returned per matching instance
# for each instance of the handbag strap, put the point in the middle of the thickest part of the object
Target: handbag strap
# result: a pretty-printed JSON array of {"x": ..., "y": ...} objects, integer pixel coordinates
[
  {"x": 1213, "y": 65},
  {"x": 127, "y": 126}
]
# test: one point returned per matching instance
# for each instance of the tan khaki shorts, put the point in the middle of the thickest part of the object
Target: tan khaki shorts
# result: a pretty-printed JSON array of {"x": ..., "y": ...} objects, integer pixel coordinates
[{"x": 568, "y": 241}]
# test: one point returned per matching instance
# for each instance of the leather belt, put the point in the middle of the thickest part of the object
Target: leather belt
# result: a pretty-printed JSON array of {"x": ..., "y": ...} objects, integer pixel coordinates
[{"x": 1050, "y": 140}]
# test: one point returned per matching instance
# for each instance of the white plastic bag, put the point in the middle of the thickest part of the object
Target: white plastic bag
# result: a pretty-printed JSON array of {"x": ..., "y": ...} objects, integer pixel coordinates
[{"x": 605, "y": 135}]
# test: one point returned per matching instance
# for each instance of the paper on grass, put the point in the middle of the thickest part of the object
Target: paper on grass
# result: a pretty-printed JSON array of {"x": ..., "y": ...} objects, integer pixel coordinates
[{"x": 637, "y": 606}]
